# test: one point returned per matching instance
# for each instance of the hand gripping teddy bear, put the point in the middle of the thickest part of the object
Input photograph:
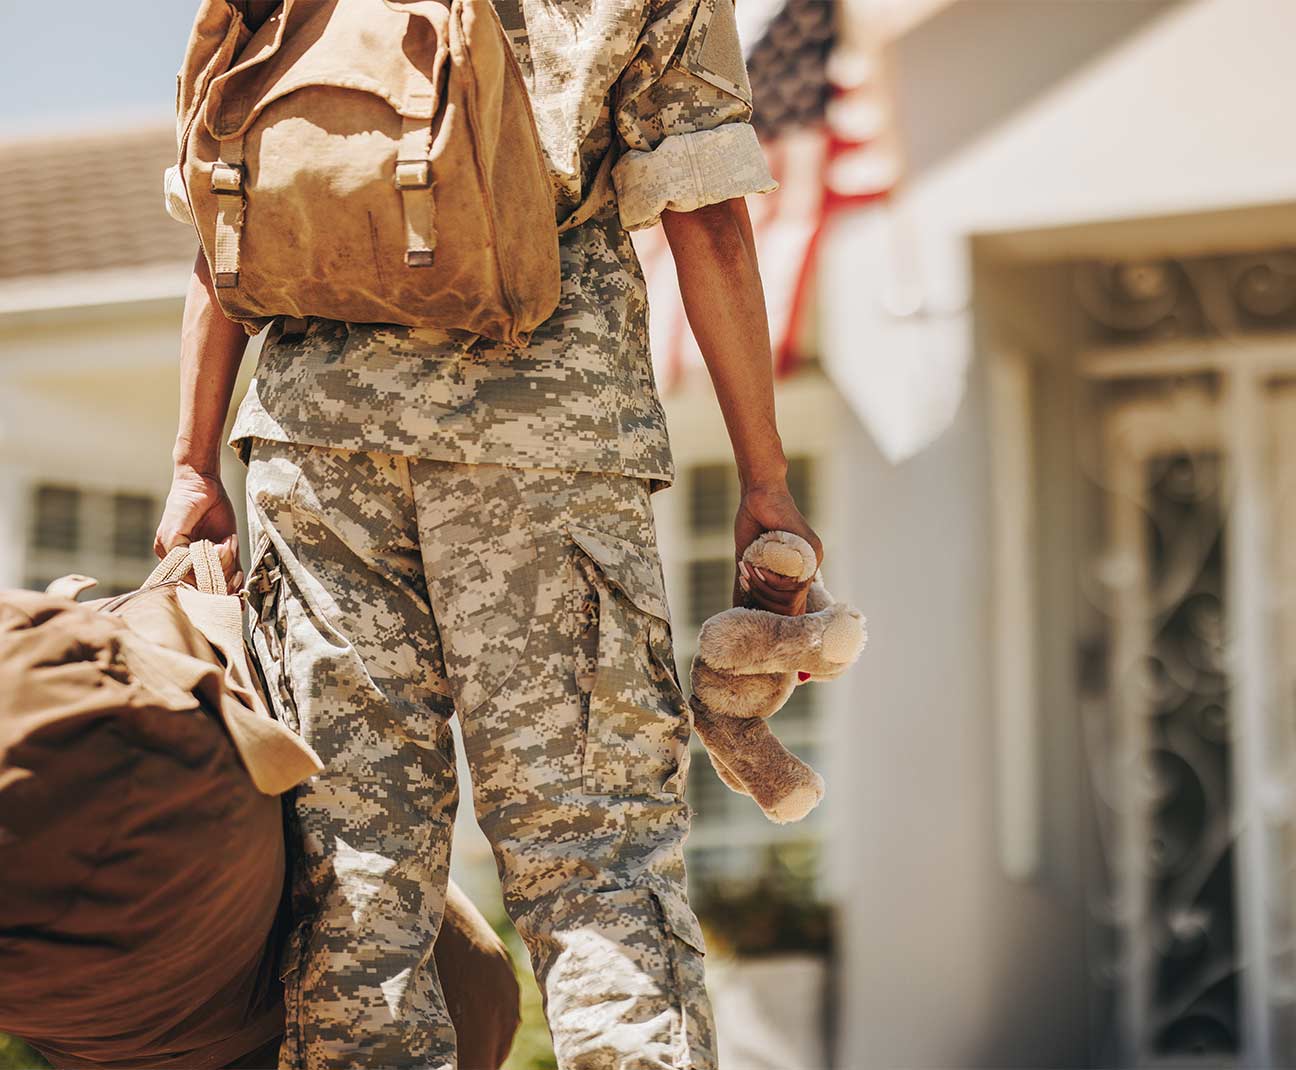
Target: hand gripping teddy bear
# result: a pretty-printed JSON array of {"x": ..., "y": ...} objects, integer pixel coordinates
[{"x": 747, "y": 664}]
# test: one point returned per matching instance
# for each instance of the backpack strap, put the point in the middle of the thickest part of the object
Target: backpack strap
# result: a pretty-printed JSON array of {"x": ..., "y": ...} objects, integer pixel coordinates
[
  {"x": 414, "y": 181},
  {"x": 227, "y": 176}
]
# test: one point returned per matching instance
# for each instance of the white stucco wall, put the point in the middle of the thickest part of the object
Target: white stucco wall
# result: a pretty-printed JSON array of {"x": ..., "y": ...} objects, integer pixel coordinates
[{"x": 946, "y": 961}]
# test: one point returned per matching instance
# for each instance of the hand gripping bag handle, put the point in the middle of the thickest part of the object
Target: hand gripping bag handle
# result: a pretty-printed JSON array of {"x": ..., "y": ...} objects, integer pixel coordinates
[{"x": 275, "y": 756}]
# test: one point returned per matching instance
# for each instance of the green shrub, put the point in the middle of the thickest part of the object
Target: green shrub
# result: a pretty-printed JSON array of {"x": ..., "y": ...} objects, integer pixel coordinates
[{"x": 15, "y": 1055}]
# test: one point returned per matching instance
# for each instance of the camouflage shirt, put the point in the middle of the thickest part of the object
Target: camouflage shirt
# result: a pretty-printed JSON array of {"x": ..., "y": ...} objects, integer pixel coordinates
[{"x": 661, "y": 86}]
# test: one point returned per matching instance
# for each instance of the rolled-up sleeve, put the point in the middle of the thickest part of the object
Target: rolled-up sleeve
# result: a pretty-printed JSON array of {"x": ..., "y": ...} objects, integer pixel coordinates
[{"x": 683, "y": 107}]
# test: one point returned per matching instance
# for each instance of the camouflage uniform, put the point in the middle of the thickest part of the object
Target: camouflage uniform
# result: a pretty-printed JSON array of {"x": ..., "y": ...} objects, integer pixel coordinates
[
  {"x": 663, "y": 88},
  {"x": 441, "y": 526},
  {"x": 388, "y": 593}
]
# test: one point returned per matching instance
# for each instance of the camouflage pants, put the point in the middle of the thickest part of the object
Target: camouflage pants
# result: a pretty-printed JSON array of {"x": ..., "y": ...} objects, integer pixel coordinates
[{"x": 389, "y": 593}]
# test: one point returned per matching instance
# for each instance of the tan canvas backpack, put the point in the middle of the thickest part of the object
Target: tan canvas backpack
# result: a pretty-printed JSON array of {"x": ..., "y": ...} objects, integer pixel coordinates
[{"x": 368, "y": 161}]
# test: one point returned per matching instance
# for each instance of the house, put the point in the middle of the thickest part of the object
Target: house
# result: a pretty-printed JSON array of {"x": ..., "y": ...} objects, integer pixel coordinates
[
  {"x": 1050, "y": 431},
  {"x": 1049, "y": 438}
]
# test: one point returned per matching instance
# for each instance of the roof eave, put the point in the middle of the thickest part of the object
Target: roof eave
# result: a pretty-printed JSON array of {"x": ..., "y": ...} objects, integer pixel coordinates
[{"x": 91, "y": 294}]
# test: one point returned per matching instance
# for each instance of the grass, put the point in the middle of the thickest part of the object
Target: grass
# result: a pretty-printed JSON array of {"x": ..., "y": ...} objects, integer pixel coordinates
[{"x": 15, "y": 1055}]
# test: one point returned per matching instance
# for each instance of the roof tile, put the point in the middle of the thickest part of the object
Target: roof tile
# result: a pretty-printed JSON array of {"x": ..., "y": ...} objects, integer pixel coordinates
[{"x": 88, "y": 202}]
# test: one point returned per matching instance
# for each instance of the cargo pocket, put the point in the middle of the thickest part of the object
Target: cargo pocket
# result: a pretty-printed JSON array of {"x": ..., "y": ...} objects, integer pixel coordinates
[
  {"x": 638, "y": 722},
  {"x": 266, "y": 598},
  {"x": 292, "y": 1050},
  {"x": 301, "y": 915},
  {"x": 685, "y": 952}
]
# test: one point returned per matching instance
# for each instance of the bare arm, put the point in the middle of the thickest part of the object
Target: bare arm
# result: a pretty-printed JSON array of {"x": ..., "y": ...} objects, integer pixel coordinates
[
  {"x": 719, "y": 279},
  {"x": 211, "y": 350}
]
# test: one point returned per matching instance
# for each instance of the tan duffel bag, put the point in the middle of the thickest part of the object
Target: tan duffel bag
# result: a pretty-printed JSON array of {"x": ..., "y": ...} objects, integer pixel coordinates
[
  {"x": 368, "y": 161},
  {"x": 143, "y": 904}
]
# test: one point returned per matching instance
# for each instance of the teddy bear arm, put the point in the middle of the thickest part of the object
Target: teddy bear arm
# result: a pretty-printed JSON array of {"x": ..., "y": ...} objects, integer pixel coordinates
[
  {"x": 734, "y": 695},
  {"x": 754, "y": 641}
]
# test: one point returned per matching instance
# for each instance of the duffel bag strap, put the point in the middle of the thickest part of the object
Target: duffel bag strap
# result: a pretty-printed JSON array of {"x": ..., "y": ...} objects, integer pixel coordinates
[
  {"x": 227, "y": 176},
  {"x": 414, "y": 181},
  {"x": 199, "y": 556}
]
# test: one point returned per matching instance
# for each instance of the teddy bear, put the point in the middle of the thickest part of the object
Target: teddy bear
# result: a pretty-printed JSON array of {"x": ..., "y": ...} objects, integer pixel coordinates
[{"x": 748, "y": 662}]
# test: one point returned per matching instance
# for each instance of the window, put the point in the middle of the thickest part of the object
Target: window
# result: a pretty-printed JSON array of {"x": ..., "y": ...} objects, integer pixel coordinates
[
  {"x": 134, "y": 523},
  {"x": 57, "y": 515},
  {"x": 713, "y": 497},
  {"x": 732, "y": 842},
  {"x": 99, "y": 533},
  {"x": 710, "y": 587}
]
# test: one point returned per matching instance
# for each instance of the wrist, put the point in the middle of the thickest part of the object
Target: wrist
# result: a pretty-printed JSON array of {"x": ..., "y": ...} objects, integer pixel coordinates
[
  {"x": 190, "y": 459},
  {"x": 770, "y": 475}
]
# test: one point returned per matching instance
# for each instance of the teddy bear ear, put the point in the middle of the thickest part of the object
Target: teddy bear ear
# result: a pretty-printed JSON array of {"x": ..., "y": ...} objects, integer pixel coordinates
[{"x": 784, "y": 553}]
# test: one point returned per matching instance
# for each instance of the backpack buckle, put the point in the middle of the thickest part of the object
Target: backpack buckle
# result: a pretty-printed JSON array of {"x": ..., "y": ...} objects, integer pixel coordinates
[
  {"x": 226, "y": 177},
  {"x": 413, "y": 174}
]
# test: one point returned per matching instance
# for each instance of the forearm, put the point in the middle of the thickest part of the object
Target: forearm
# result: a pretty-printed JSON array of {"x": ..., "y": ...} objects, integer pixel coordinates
[
  {"x": 719, "y": 279},
  {"x": 211, "y": 349}
]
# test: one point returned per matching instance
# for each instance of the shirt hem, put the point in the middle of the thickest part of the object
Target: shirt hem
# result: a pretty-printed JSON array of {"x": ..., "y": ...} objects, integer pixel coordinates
[{"x": 658, "y": 477}]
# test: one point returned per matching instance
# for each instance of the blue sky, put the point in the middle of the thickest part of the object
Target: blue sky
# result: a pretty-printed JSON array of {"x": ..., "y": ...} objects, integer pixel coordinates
[{"x": 64, "y": 63}]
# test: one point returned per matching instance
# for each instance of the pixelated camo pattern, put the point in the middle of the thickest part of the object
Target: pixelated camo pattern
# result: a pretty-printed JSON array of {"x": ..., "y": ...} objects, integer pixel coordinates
[
  {"x": 628, "y": 77},
  {"x": 388, "y": 594}
]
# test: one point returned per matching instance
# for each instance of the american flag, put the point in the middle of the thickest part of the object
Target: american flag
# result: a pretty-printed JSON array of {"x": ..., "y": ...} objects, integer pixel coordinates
[{"x": 820, "y": 113}]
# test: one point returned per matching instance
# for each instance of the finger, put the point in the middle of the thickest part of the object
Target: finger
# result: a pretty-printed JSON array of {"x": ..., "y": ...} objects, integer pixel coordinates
[
  {"x": 818, "y": 549},
  {"x": 166, "y": 541},
  {"x": 779, "y": 601},
  {"x": 788, "y": 604},
  {"x": 774, "y": 581},
  {"x": 227, "y": 551},
  {"x": 785, "y": 607},
  {"x": 227, "y": 548},
  {"x": 774, "y": 585}
]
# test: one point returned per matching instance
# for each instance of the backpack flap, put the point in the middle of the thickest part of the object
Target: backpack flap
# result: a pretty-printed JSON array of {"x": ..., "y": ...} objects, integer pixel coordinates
[
  {"x": 344, "y": 45},
  {"x": 217, "y": 36},
  {"x": 318, "y": 166}
]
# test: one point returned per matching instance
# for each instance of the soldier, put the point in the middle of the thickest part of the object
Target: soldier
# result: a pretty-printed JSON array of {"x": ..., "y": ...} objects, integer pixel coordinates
[{"x": 445, "y": 526}]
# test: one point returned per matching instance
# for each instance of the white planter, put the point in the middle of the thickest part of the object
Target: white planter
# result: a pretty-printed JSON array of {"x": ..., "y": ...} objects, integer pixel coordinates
[{"x": 770, "y": 1012}]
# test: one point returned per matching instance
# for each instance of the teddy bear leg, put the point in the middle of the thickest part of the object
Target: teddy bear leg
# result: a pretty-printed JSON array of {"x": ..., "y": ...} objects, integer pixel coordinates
[
  {"x": 716, "y": 739},
  {"x": 783, "y": 786},
  {"x": 727, "y": 776}
]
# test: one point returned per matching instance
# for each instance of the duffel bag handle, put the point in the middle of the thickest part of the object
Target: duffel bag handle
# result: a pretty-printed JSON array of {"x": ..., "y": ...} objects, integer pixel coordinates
[{"x": 201, "y": 557}]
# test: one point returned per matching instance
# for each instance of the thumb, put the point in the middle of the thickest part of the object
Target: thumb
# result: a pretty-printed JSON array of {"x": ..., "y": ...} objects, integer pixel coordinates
[
  {"x": 228, "y": 552},
  {"x": 166, "y": 541}
]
